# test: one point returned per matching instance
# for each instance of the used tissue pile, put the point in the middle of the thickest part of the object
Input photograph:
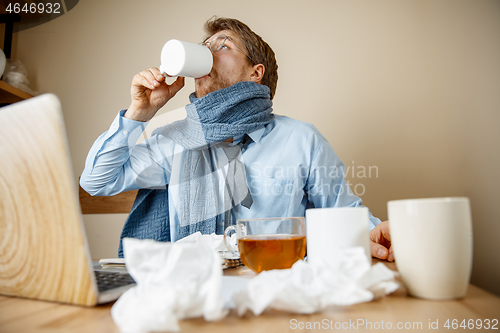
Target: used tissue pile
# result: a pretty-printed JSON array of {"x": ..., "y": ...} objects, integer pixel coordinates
[
  {"x": 307, "y": 288},
  {"x": 216, "y": 242},
  {"x": 174, "y": 281},
  {"x": 183, "y": 280}
]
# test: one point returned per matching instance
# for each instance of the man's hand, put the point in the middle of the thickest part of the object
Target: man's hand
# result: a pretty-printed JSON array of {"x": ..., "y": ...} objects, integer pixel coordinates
[
  {"x": 380, "y": 242},
  {"x": 149, "y": 93}
]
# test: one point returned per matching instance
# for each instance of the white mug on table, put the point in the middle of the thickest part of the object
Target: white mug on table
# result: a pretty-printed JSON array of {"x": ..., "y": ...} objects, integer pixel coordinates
[
  {"x": 432, "y": 242},
  {"x": 329, "y": 230}
]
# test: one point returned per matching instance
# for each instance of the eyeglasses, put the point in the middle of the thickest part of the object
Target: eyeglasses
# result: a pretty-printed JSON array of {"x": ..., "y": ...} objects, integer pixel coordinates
[{"x": 219, "y": 42}]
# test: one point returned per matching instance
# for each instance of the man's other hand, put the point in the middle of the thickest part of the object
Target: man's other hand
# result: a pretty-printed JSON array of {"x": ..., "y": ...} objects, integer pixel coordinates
[
  {"x": 149, "y": 93},
  {"x": 380, "y": 242}
]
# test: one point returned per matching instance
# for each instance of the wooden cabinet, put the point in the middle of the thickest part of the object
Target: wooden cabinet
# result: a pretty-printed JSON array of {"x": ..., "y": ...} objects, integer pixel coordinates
[{"x": 10, "y": 94}]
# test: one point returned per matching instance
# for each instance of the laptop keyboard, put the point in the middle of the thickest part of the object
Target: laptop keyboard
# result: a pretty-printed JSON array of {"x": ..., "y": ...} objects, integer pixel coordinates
[{"x": 110, "y": 280}]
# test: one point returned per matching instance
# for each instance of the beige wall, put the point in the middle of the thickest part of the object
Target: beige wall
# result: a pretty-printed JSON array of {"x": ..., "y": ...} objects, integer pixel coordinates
[{"x": 411, "y": 87}]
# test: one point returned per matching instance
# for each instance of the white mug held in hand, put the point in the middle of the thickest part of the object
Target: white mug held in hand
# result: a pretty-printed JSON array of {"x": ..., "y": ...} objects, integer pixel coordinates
[
  {"x": 180, "y": 58},
  {"x": 330, "y": 230},
  {"x": 432, "y": 242}
]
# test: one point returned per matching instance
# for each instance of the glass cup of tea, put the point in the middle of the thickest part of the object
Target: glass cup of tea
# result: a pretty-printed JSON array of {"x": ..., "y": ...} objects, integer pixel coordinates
[{"x": 268, "y": 243}]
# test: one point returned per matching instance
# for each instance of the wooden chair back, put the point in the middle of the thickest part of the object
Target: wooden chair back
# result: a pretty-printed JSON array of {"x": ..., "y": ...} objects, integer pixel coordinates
[{"x": 116, "y": 204}]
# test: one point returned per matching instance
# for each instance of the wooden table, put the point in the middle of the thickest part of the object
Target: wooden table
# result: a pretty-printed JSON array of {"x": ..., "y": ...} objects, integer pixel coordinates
[{"x": 398, "y": 309}]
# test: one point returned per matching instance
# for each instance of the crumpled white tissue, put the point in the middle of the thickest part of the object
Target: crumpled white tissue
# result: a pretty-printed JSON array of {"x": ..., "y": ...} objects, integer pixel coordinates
[
  {"x": 214, "y": 241},
  {"x": 309, "y": 288},
  {"x": 174, "y": 281}
]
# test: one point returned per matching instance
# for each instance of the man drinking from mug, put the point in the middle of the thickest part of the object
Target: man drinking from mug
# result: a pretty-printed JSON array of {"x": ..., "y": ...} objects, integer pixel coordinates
[{"x": 231, "y": 158}]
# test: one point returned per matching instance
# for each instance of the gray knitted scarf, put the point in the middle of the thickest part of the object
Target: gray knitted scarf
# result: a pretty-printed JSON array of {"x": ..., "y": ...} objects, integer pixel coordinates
[{"x": 212, "y": 119}]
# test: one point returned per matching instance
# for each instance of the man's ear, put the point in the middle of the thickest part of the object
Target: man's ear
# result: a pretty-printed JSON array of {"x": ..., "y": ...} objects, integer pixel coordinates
[{"x": 257, "y": 73}]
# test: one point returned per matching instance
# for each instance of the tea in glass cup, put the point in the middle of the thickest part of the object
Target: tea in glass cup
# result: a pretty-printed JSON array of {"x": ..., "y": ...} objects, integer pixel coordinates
[{"x": 269, "y": 243}]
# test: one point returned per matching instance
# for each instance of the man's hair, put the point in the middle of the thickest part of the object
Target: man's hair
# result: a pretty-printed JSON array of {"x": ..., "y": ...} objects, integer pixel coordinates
[{"x": 255, "y": 46}]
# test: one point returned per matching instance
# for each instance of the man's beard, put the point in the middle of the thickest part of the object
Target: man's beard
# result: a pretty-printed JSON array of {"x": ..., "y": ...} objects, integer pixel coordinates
[{"x": 210, "y": 84}]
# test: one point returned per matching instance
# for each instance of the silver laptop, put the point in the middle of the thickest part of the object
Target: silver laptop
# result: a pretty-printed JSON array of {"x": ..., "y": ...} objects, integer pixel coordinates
[{"x": 43, "y": 246}]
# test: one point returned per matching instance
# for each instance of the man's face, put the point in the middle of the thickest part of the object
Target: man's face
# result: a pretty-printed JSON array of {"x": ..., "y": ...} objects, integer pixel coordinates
[{"x": 230, "y": 66}]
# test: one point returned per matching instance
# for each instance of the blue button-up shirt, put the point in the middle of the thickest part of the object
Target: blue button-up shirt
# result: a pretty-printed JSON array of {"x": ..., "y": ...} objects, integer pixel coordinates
[{"x": 289, "y": 167}]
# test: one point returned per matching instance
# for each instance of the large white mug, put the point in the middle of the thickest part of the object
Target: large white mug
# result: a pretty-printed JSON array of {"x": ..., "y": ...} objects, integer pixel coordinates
[
  {"x": 432, "y": 243},
  {"x": 180, "y": 58},
  {"x": 329, "y": 230}
]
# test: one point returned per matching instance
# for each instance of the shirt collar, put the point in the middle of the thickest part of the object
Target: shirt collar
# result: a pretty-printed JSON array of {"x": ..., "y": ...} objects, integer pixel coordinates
[
  {"x": 254, "y": 134},
  {"x": 257, "y": 133}
]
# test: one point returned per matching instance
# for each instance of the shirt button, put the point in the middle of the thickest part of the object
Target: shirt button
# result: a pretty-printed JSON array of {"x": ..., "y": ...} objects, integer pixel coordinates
[{"x": 125, "y": 132}]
